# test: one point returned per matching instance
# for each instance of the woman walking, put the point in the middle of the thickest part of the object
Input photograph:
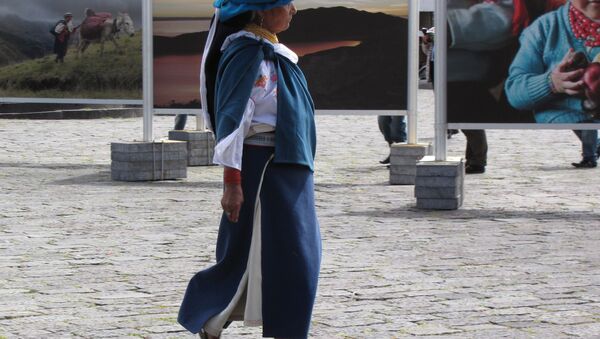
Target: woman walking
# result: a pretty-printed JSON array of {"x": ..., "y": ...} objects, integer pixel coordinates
[{"x": 269, "y": 247}]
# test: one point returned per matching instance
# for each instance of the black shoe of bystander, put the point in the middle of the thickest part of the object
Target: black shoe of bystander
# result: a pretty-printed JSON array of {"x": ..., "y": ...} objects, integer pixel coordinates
[
  {"x": 474, "y": 169},
  {"x": 585, "y": 163}
]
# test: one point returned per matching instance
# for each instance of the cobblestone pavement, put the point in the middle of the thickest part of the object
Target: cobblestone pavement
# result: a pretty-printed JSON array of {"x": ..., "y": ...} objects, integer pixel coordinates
[{"x": 83, "y": 256}]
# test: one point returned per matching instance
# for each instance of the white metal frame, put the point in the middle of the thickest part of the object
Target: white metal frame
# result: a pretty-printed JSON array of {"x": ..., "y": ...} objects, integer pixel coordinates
[
  {"x": 148, "y": 56},
  {"x": 413, "y": 70},
  {"x": 440, "y": 66}
]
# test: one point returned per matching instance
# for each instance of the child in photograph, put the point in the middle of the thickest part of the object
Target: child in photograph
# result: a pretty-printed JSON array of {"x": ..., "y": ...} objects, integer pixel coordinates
[{"x": 543, "y": 77}]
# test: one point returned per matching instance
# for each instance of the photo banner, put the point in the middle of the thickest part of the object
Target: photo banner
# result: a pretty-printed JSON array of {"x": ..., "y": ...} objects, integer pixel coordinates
[
  {"x": 353, "y": 54},
  {"x": 47, "y": 58},
  {"x": 506, "y": 76}
]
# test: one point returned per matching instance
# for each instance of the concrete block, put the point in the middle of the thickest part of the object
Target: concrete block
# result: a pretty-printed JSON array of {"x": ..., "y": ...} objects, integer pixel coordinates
[
  {"x": 438, "y": 181},
  {"x": 440, "y": 169},
  {"x": 140, "y": 146},
  {"x": 148, "y": 156},
  {"x": 403, "y": 169},
  {"x": 148, "y": 175},
  {"x": 415, "y": 150},
  {"x": 438, "y": 192},
  {"x": 450, "y": 161},
  {"x": 140, "y": 161},
  {"x": 200, "y": 152},
  {"x": 207, "y": 146},
  {"x": 143, "y": 166},
  {"x": 439, "y": 185},
  {"x": 200, "y": 146},
  {"x": 191, "y": 135},
  {"x": 402, "y": 179},
  {"x": 403, "y": 160},
  {"x": 440, "y": 204}
]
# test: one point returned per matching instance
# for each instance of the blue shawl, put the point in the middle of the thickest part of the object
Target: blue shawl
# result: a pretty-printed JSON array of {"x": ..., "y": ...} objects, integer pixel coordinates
[{"x": 295, "y": 135}]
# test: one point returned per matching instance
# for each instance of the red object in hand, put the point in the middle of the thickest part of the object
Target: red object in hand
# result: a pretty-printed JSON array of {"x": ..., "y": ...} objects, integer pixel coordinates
[{"x": 591, "y": 78}]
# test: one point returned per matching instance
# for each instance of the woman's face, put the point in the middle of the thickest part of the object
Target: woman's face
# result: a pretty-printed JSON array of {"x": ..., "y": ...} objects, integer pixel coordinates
[
  {"x": 591, "y": 8},
  {"x": 278, "y": 19}
]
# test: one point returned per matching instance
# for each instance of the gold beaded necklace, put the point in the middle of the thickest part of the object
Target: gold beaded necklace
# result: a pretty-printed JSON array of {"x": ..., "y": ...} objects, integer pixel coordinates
[{"x": 261, "y": 32}]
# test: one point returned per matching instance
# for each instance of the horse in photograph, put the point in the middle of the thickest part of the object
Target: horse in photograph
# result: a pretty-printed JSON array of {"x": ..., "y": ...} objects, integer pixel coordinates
[{"x": 101, "y": 27}]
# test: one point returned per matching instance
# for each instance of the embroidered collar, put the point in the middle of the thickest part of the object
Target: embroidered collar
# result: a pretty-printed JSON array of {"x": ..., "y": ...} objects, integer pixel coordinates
[
  {"x": 279, "y": 48},
  {"x": 584, "y": 28},
  {"x": 261, "y": 32}
]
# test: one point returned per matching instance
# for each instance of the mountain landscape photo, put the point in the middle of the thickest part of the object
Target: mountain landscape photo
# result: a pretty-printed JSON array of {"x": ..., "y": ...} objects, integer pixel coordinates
[
  {"x": 352, "y": 59},
  {"x": 27, "y": 61}
]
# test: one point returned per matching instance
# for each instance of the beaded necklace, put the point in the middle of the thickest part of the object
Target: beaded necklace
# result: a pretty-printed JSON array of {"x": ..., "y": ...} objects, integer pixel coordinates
[
  {"x": 261, "y": 32},
  {"x": 584, "y": 28}
]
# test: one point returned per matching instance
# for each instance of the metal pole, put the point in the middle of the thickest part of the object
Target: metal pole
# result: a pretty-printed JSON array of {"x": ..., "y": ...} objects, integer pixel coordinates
[
  {"x": 148, "y": 53},
  {"x": 200, "y": 125},
  {"x": 413, "y": 69},
  {"x": 440, "y": 67}
]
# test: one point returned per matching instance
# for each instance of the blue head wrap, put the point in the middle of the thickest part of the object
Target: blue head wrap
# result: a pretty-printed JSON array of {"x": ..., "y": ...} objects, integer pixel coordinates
[{"x": 230, "y": 8}]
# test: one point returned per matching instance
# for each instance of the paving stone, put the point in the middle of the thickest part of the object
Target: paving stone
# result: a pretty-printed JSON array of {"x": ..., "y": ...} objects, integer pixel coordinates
[
  {"x": 140, "y": 146},
  {"x": 190, "y": 135},
  {"x": 200, "y": 146},
  {"x": 404, "y": 160},
  {"x": 428, "y": 167},
  {"x": 439, "y": 204},
  {"x": 403, "y": 170},
  {"x": 418, "y": 150},
  {"x": 402, "y": 179},
  {"x": 142, "y": 166},
  {"x": 436, "y": 182},
  {"x": 437, "y": 192},
  {"x": 147, "y": 156}
]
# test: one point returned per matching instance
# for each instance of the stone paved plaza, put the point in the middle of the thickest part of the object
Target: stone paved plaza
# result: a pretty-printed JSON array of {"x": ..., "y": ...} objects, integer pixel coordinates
[{"x": 84, "y": 256}]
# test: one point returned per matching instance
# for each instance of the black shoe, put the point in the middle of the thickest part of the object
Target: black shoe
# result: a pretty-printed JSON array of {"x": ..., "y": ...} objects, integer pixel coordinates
[
  {"x": 385, "y": 161},
  {"x": 474, "y": 169},
  {"x": 451, "y": 132},
  {"x": 585, "y": 163}
]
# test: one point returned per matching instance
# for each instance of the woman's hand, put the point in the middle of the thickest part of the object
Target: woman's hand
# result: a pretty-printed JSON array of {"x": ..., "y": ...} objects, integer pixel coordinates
[
  {"x": 232, "y": 200},
  {"x": 565, "y": 79}
]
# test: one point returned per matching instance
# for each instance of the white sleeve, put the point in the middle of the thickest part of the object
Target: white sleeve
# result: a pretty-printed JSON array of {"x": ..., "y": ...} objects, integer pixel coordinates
[
  {"x": 484, "y": 26},
  {"x": 59, "y": 28},
  {"x": 228, "y": 152}
]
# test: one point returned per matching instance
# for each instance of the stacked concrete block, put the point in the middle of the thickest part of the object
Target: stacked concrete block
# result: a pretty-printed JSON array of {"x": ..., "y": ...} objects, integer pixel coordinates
[
  {"x": 145, "y": 161},
  {"x": 200, "y": 146},
  {"x": 403, "y": 162},
  {"x": 439, "y": 185}
]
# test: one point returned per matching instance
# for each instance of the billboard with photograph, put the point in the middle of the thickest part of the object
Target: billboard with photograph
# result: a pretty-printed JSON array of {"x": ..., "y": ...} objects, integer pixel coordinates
[
  {"x": 516, "y": 71},
  {"x": 353, "y": 53},
  {"x": 50, "y": 50}
]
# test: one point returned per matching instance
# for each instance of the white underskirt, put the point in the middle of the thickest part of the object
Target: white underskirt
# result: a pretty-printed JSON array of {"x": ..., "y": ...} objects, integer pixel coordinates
[{"x": 249, "y": 292}]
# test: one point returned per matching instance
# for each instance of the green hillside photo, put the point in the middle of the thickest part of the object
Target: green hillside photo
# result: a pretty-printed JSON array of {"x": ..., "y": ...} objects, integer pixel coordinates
[{"x": 117, "y": 74}]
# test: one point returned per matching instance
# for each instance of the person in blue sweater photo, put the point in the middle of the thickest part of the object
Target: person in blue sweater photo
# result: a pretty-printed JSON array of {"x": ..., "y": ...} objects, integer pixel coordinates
[{"x": 543, "y": 76}]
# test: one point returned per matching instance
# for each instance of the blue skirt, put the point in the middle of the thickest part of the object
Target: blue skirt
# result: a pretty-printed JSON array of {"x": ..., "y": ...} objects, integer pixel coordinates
[{"x": 290, "y": 250}]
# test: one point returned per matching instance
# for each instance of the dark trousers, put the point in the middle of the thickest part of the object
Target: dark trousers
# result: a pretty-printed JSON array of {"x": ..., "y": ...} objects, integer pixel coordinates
[
  {"x": 393, "y": 128},
  {"x": 60, "y": 49},
  {"x": 477, "y": 147},
  {"x": 471, "y": 102}
]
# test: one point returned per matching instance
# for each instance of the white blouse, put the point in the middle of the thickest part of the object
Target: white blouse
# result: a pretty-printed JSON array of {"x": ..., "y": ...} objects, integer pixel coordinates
[{"x": 260, "y": 114}]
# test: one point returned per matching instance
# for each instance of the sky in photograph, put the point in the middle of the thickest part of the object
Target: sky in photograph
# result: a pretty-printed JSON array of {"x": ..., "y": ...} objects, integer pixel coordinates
[
  {"x": 52, "y": 10},
  {"x": 203, "y": 8}
]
